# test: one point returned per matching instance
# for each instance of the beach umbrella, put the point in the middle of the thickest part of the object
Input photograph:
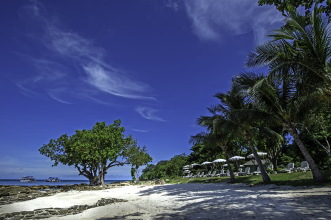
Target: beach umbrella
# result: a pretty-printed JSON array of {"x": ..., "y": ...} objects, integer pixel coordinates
[
  {"x": 195, "y": 164},
  {"x": 225, "y": 165},
  {"x": 236, "y": 158},
  {"x": 205, "y": 163},
  {"x": 219, "y": 161},
  {"x": 186, "y": 167},
  {"x": 187, "y": 171},
  {"x": 258, "y": 153}
]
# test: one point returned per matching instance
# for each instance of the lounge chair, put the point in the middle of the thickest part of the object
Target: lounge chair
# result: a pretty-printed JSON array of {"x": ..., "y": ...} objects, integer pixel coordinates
[
  {"x": 289, "y": 168},
  {"x": 213, "y": 174},
  {"x": 246, "y": 172},
  {"x": 202, "y": 174},
  {"x": 304, "y": 166},
  {"x": 257, "y": 172},
  {"x": 222, "y": 173},
  {"x": 189, "y": 175},
  {"x": 270, "y": 166},
  {"x": 197, "y": 175},
  {"x": 208, "y": 174}
]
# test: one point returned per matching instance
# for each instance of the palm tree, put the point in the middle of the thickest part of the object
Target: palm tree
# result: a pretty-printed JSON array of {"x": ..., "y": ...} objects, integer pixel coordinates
[
  {"x": 299, "y": 57},
  {"x": 217, "y": 136},
  {"x": 301, "y": 48},
  {"x": 277, "y": 100},
  {"x": 231, "y": 106}
]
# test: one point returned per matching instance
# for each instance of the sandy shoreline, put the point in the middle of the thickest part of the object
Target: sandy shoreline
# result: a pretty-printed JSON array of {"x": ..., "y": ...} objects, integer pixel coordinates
[{"x": 191, "y": 201}]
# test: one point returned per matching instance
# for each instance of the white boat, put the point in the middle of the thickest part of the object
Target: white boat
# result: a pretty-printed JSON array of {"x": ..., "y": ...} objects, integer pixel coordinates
[
  {"x": 53, "y": 179},
  {"x": 27, "y": 179}
]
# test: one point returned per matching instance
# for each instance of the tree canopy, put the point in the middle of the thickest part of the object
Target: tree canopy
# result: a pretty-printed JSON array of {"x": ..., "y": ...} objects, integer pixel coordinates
[
  {"x": 92, "y": 152},
  {"x": 285, "y": 5}
]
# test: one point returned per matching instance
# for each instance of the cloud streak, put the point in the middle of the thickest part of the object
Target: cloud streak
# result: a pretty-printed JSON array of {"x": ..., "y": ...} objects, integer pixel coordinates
[
  {"x": 148, "y": 113},
  {"x": 213, "y": 19},
  {"x": 91, "y": 68}
]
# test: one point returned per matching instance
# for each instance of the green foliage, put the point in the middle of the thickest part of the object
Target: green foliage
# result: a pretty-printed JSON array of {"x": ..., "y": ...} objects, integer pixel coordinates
[
  {"x": 92, "y": 152},
  {"x": 137, "y": 157},
  {"x": 285, "y": 5},
  {"x": 165, "y": 169}
]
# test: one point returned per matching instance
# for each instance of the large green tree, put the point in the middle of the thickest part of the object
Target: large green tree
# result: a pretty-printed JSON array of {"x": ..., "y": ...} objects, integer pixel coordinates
[{"x": 92, "y": 152}]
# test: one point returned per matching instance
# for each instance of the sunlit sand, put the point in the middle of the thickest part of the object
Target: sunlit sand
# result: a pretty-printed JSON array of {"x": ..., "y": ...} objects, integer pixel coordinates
[{"x": 192, "y": 201}]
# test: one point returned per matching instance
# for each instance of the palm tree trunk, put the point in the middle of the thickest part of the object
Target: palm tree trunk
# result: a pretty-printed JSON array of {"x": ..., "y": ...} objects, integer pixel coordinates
[
  {"x": 264, "y": 174},
  {"x": 317, "y": 176},
  {"x": 232, "y": 179}
]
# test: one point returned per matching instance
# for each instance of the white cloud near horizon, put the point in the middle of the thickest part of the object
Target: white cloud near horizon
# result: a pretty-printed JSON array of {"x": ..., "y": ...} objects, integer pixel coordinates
[
  {"x": 213, "y": 19},
  {"x": 148, "y": 113},
  {"x": 92, "y": 71}
]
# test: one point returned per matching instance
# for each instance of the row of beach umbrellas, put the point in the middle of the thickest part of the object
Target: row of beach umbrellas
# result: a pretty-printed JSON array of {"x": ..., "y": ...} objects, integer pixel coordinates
[{"x": 234, "y": 158}]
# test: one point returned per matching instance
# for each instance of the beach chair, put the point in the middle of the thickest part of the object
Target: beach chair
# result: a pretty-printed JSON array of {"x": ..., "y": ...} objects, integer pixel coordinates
[
  {"x": 304, "y": 166},
  {"x": 246, "y": 172},
  {"x": 257, "y": 172},
  {"x": 270, "y": 166},
  {"x": 189, "y": 175},
  {"x": 213, "y": 173},
  {"x": 202, "y": 174},
  {"x": 221, "y": 173},
  {"x": 208, "y": 174},
  {"x": 197, "y": 175},
  {"x": 289, "y": 168}
]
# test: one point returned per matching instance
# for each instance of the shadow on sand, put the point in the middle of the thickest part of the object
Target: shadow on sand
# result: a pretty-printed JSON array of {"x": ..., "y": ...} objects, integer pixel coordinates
[{"x": 238, "y": 201}]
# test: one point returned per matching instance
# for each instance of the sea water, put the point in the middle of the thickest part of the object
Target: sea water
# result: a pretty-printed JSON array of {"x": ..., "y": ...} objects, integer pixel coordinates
[{"x": 43, "y": 182}]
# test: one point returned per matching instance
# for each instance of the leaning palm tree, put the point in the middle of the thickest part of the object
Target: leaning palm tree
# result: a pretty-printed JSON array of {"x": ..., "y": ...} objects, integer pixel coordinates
[
  {"x": 277, "y": 100},
  {"x": 232, "y": 104}
]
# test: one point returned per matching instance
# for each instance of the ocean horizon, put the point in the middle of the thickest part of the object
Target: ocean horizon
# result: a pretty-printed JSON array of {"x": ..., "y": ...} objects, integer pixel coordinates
[{"x": 44, "y": 182}]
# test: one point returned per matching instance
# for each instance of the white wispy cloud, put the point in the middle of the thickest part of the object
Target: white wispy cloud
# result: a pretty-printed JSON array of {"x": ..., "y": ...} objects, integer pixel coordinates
[
  {"x": 148, "y": 113},
  {"x": 173, "y": 4},
  {"x": 91, "y": 68},
  {"x": 139, "y": 130},
  {"x": 113, "y": 81},
  {"x": 213, "y": 19}
]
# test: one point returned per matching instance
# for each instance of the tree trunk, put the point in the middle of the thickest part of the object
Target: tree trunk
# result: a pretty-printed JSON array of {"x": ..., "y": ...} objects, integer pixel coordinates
[
  {"x": 317, "y": 176},
  {"x": 232, "y": 179},
  {"x": 264, "y": 174},
  {"x": 274, "y": 163},
  {"x": 265, "y": 177},
  {"x": 94, "y": 180}
]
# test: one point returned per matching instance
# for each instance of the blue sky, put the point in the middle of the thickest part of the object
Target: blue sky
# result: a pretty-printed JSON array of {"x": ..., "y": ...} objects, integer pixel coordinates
[{"x": 65, "y": 65}]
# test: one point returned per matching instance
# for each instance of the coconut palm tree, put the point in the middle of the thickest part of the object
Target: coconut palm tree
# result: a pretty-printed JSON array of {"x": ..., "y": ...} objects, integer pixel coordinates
[
  {"x": 277, "y": 100},
  {"x": 301, "y": 49},
  {"x": 233, "y": 104},
  {"x": 217, "y": 136}
]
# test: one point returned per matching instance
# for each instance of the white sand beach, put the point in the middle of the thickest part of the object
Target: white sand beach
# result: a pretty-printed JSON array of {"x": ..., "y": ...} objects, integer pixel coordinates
[{"x": 191, "y": 201}]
